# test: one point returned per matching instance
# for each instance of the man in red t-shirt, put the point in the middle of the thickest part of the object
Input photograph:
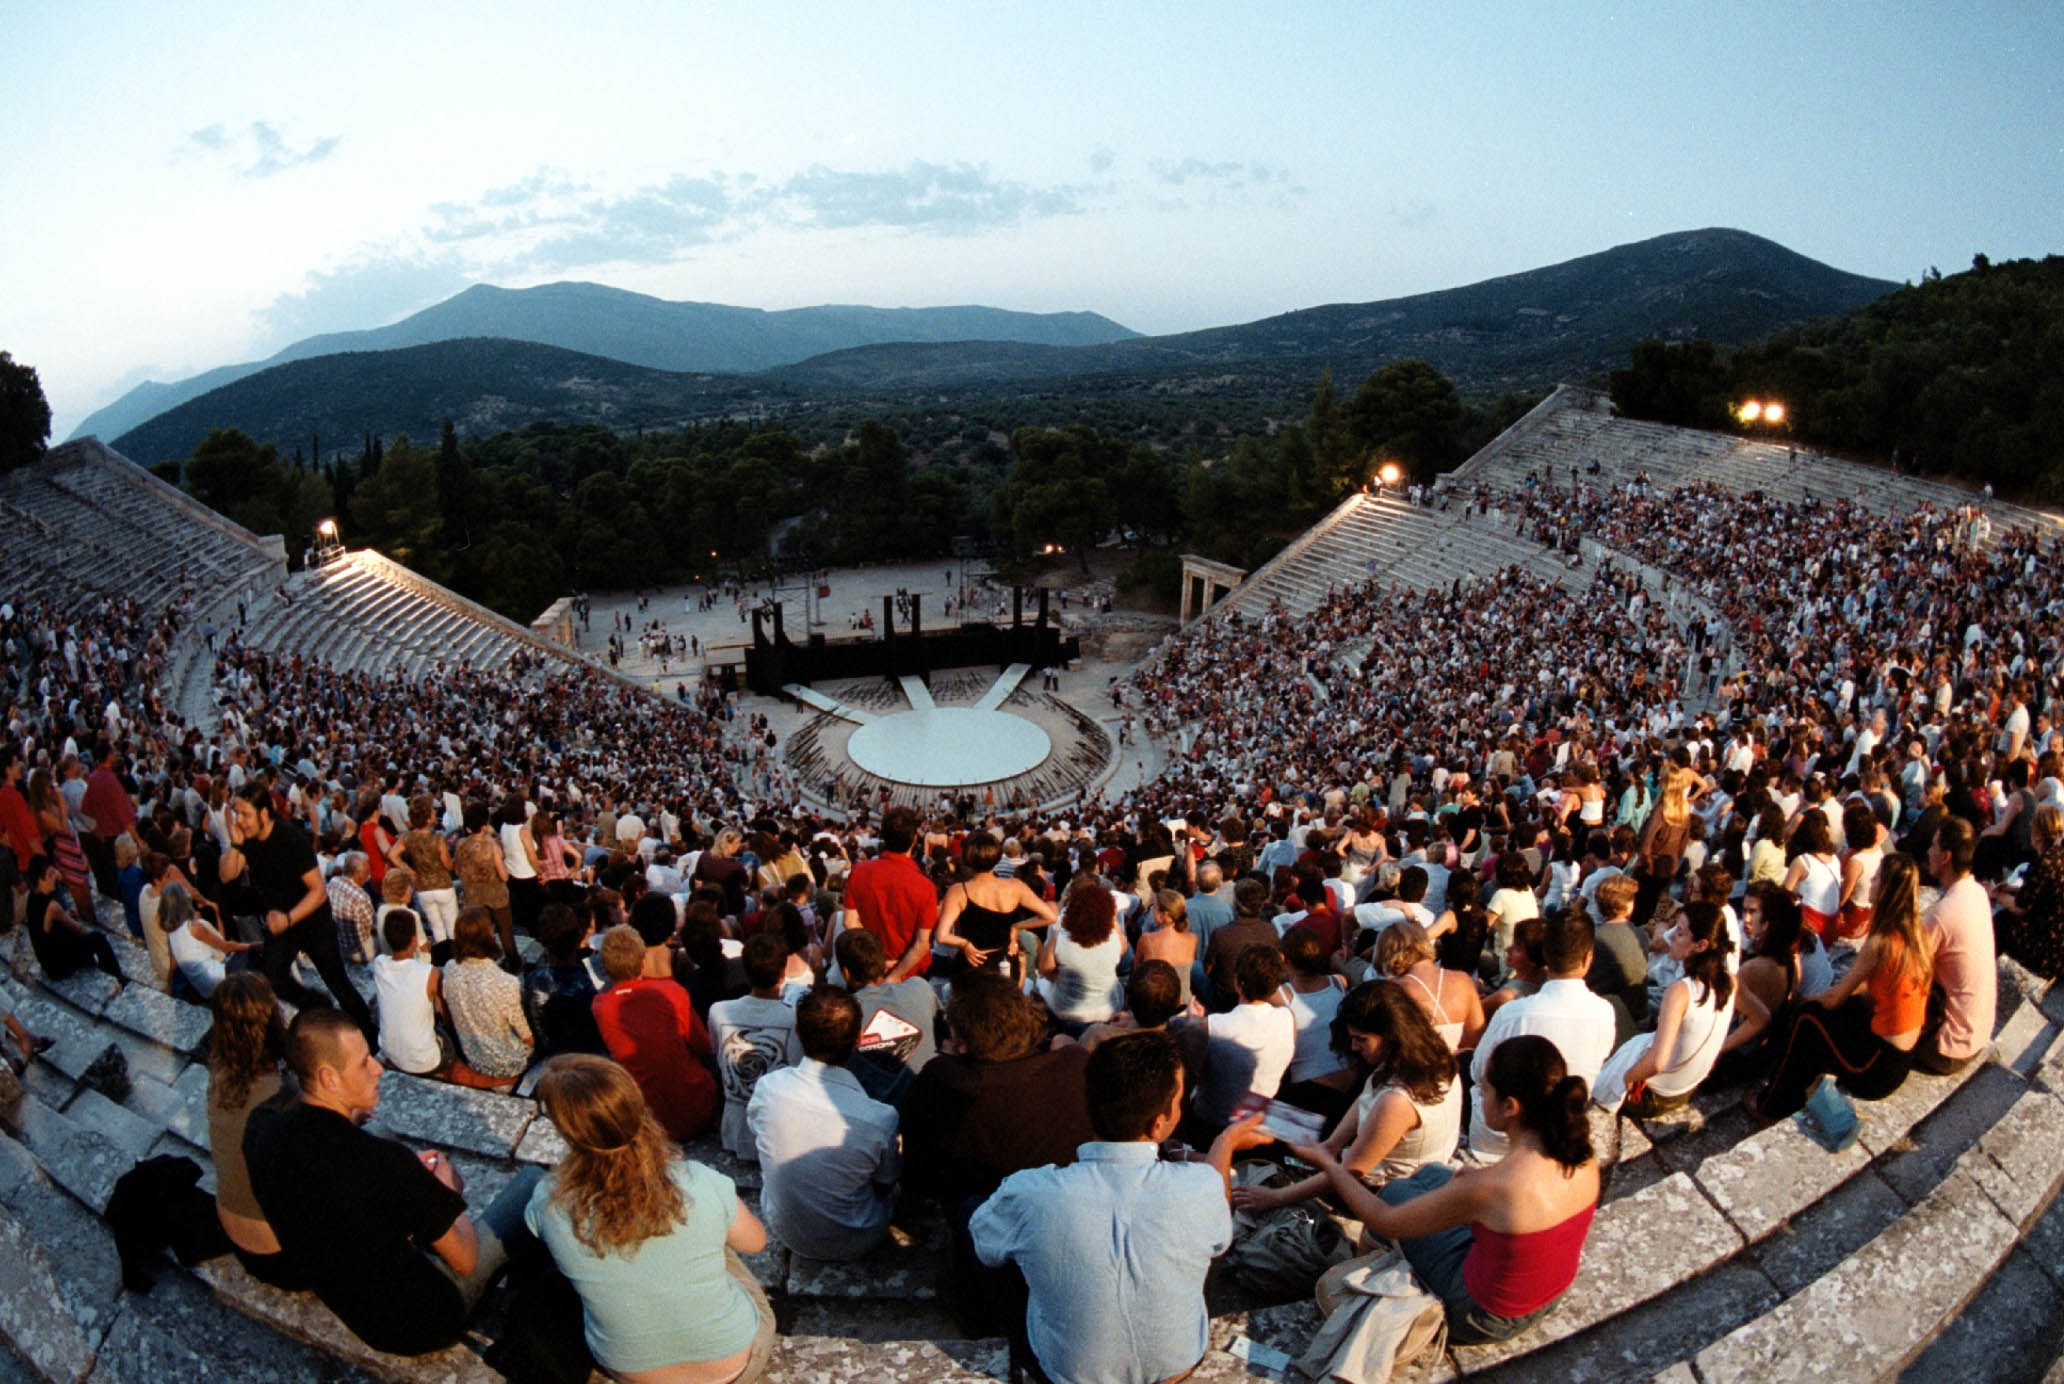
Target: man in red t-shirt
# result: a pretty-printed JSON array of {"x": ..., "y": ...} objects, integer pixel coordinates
[
  {"x": 18, "y": 823},
  {"x": 651, "y": 1029},
  {"x": 892, "y": 898},
  {"x": 114, "y": 816}
]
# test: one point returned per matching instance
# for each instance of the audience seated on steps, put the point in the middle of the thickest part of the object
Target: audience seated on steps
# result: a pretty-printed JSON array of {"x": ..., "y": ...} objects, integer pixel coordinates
[
  {"x": 828, "y": 1151},
  {"x": 1500, "y": 1246},
  {"x": 1109, "y": 1253},
  {"x": 1864, "y": 1030},
  {"x": 651, "y": 1028},
  {"x": 408, "y": 988},
  {"x": 1578, "y": 1023},
  {"x": 63, "y": 944},
  {"x": 649, "y": 1239},
  {"x": 382, "y": 1234},
  {"x": 753, "y": 1036},
  {"x": 1657, "y": 1071},
  {"x": 1409, "y": 1112}
]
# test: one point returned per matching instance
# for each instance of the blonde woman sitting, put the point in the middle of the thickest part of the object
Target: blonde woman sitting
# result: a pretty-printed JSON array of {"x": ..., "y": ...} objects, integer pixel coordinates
[{"x": 649, "y": 1240}]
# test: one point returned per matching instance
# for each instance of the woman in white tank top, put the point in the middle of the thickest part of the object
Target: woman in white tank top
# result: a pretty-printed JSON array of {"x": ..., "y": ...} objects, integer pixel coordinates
[
  {"x": 1691, "y": 1025},
  {"x": 1814, "y": 876},
  {"x": 1410, "y": 1111}
]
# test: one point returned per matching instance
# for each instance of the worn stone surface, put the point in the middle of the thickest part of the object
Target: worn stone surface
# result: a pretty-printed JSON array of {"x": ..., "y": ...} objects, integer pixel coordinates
[
  {"x": 1928, "y": 1151},
  {"x": 541, "y": 1143},
  {"x": 2023, "y": 1040},
  {"x": 78, "y": 1247},
  {"x": 302, "y": 1317},
  {"x": 34, "y": 1315},
  {"x": 76, "y": 1040},
  {"x": 125, "y": 1129},
  {"x": 1638, "y": 1342},
  {"x": 85, "y": 990},
  {"x": 1863, "y": 1318},
  {"x": 81, "y": 1160},
  {"x": 80, "y": 1040},
  {"x": 710, "y": 1153},
  {"x": 1886, "y": 1122},
  {"x": 134, "y": 959},
  {"x": 188, "y": 1115},
  {"x": 2019, "y": 1160},
  {"x": 1770, "y": 1177},
  {"x": 157, "y": 1016},
  {"x": 2006, "y": 1334},
  {"x": 1639, "y": 1247},
  {"x": 905, "y": 1267},
  {"x": 48, "y": 1084},
  {"x": 2044, "y": 1241},
  {"x": 1827, "y": 1232},
  {"x": 436, "y": 1112},
  {"x": 181, "y": 1331},
  {"x": 836, "y": 1360},
  {"x": 871, "y": 1322}
]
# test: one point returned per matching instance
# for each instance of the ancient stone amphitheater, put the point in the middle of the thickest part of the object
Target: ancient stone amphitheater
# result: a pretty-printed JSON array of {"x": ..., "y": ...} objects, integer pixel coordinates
[{"x": 1933, "y": 1249}]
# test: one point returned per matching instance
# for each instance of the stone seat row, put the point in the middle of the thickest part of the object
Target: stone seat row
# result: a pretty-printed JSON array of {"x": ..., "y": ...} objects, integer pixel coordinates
[
  {"x": 1570, "y": 432},
  {"x": 1677, "y": 1212},
  {"x": 352, "y": 618},
  {"x": 1374, "y": 536}
]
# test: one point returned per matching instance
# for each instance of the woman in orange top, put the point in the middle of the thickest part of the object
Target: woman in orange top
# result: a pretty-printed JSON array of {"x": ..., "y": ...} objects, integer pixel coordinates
[{"x": 1866, "y": 1042}]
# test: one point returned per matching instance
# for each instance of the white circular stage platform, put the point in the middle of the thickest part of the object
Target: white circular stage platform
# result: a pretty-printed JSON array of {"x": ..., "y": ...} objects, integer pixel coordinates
[{"x": 949, "y": 746}]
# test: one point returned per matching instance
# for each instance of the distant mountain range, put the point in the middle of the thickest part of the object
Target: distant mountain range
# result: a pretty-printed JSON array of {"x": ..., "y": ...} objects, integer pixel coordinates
[
  {"x": 639, "y": 330},
  {"x": 1564, "y": 322}
]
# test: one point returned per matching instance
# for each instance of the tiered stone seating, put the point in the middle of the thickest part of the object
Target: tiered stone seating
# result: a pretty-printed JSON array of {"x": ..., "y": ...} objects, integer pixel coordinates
[
  {"x": 85, "y": 520},
  {"x": 1718, "y": 1255},
  {"x": 1574, "y": 427},
  {"x": 1385, "y": 537},
  {"x": 361, "y": 613}
]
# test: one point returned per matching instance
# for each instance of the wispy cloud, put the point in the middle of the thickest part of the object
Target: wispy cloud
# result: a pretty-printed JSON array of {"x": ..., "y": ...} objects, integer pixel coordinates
[
  {"x": 1221, "y": 174},
  {"x": 258, "y": 150},
  {"x": 364, "y": 293},
  {"x": 949, "y": 199},
  {"x": 552, "y": 222}
]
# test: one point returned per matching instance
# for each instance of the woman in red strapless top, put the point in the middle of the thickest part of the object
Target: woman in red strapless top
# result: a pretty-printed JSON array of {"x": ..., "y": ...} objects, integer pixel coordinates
[{"x": 1497, "y": 1245}]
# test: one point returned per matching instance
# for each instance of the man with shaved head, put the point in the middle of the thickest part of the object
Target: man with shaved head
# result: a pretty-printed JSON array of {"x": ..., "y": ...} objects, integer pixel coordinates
[{"x": 381, "y": 1233}]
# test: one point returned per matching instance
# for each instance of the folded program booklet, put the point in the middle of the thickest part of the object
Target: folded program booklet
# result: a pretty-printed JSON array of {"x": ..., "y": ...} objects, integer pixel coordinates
[{"x": 1292, "y": 1124}]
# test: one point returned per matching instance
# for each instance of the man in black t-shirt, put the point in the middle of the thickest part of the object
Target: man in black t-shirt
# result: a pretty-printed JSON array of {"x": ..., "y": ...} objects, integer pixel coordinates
[
  {"x": 380, "y": 1233},
  {"x": 289, "y": 887}
]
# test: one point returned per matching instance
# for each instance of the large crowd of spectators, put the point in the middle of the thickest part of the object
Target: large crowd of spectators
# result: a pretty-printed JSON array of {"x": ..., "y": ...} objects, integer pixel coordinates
[{"x": 1435, "y": 867}]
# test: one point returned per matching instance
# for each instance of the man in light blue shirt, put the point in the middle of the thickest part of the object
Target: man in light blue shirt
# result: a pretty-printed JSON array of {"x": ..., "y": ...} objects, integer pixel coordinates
[
  {"x": 1114, "y": 1248},
  {"x": 828, "y": 1154}
]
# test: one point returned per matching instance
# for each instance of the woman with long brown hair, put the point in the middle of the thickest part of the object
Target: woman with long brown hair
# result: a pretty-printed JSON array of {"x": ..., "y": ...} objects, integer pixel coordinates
[
  {"x": 1410, "y": 1110},
  {"x": 1867, "y": 1045},
  {"x": 245, "y": 1046},
  {"x": 55, "y": 820},
  {"x": 649, "y": 1240}
]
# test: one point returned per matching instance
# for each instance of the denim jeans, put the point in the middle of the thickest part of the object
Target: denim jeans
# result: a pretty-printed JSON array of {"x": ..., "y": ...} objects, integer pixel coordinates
[
  {"x": 1437, "y": 1259},
  {"x": 497, "y": 1230}
]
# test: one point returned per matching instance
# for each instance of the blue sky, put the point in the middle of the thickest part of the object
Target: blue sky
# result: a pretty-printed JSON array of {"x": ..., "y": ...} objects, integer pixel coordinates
[{"x": 191, "y": 185}]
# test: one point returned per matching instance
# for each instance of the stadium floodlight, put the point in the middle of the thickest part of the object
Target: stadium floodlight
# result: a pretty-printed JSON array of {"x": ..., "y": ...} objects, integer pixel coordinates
[
  {"x": 1751, "y": 411},
  {"x": 1773, "y": 413},
  {"x": 1390, "y": 474}
]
